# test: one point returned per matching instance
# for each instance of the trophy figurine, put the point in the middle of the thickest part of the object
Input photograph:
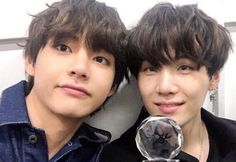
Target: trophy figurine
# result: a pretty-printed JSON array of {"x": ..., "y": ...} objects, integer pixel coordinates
[{"x": 159, "y": 139}]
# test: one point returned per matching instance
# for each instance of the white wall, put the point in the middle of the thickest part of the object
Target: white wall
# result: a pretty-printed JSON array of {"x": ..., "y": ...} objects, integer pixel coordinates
[
  {"x": 14, "y": 16},
  {"x": 15, "y": 19},
  {"x": 229, "y": 85},
  {"x": 11, "y": 68}
]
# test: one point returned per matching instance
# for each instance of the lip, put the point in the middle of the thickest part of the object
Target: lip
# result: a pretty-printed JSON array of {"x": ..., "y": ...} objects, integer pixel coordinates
[
  {"x": 74, "y": 90},
  {"x": 169, "y": 107}
]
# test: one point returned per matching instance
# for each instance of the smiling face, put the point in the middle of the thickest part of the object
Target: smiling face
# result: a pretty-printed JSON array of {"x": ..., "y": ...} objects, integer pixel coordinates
[
  {"x": 70, "y": 80},
  {"x": 176, "y": 90}
]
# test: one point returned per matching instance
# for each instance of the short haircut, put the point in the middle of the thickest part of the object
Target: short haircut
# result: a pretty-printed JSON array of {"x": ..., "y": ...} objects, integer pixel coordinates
[
  {"x": 166, "y": 33},
  {"x": 99, "y": 25}
]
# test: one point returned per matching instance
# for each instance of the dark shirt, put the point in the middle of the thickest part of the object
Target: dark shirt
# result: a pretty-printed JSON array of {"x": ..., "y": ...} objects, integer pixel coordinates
[
  {"x": 222, "y": 136},
  {"x": 21, "y": 142}
]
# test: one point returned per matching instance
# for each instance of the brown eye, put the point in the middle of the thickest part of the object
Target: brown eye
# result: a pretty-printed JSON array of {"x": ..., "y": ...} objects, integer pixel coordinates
[
  {"x": 151, "y": 68},
  {"x": 101, "y": 60},
  {"x": 63, "y": 48},
  {"x": 185, "y": 67}
]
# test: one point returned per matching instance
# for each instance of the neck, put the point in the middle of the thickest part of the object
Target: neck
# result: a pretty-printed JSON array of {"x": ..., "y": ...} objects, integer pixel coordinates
[
  {"x": 196, "y": 140},
  {"x": 192, "y": 136},
  {"x": 58, "y": 129}
]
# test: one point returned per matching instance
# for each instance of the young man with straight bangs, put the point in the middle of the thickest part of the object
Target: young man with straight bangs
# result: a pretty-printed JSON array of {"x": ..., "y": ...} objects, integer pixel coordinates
[
  {"x": 177, "y": 54},
  {"x": 74, "y": 60}
]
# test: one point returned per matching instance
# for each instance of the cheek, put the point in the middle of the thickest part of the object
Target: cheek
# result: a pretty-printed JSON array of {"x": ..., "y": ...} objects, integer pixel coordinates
[
  {"x": 141, "y": 88},
  {"x": 101, "y": 93},
  {"x": 202, "y": 95},
  {"x": 147, "y": 90},
  {"x": 104, "y": 82},
  {"x": 146, "y": 86},
  {"x": 45, "y": 73},
  {"x": 196, "y": 94}
]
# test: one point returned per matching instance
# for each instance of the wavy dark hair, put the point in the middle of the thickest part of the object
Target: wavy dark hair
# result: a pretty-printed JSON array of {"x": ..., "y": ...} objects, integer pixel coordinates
[
  {"x": 99, "y": 25},
  {"x": 166, "y": 33}
]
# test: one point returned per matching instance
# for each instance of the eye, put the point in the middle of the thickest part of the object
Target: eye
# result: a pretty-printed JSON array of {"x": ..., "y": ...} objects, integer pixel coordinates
[
  {"x": 63, "y": 48},
  {"x": 185, "y": 68},
  {"x": 148, "y": 68},
  {"x": 151, "y": 69},
  {"x": 102, "y": 60}
]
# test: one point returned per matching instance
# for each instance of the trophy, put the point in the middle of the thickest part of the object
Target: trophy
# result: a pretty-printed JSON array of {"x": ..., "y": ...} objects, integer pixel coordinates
[{"x": 159, "y": 139}]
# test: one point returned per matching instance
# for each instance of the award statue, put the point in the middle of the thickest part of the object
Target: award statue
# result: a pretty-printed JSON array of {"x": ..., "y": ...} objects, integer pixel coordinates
[{"x": 159, "y": 139}]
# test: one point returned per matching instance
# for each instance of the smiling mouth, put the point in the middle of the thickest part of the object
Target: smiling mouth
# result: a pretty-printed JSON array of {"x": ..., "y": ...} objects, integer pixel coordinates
[{"x": 168, "y": 108}]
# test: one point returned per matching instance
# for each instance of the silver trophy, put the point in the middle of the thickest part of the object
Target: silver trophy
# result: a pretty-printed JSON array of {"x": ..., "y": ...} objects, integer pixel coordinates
[{"x": 159, "y": 139}]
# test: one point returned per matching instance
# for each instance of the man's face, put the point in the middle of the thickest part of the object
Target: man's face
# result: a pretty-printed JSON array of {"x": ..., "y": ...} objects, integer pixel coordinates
[
  {"x": 70, "y": 80},
  {"x": 176, "y": 90}
]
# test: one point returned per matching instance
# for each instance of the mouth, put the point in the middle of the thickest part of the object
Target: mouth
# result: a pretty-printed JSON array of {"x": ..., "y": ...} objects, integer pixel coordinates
[
  {"x": 74, "y": 90},
  {"x": 169, "y": 107}
]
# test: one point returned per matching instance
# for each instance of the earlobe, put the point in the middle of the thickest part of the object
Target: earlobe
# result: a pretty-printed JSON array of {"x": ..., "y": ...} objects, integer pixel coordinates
[
  {"x": 214, "y": 81},
  {"x": 29, "y": 66},
  {"x": 112, "y": 91}
]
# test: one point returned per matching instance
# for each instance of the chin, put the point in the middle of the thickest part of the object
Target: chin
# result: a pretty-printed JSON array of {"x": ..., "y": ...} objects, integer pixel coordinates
[{"x": 72, "y": 114}]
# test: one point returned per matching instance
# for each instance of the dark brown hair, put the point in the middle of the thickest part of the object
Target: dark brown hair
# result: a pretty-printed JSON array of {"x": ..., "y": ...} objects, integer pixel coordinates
[
  {"x": 99, "y": 25},
  {"x": 166, "y": 33}
]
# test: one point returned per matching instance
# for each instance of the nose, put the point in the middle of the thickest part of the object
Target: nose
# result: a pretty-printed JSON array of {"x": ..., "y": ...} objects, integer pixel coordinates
[
  {"x": 166, "y": 83},
  {"x": 79, "y": 67}
]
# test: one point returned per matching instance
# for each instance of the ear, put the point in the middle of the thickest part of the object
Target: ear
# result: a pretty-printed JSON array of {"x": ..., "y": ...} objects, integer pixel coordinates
[
  {"x": 29, "y": 66},
  {"x": 112, "y": 91},
  {"x": 214, "y": 81}
]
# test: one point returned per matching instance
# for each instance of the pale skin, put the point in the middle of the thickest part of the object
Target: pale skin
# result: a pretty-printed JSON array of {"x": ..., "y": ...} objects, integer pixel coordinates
[
  {"x": 178, "y": 90},
  {"x": 70, "y": 82}
]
